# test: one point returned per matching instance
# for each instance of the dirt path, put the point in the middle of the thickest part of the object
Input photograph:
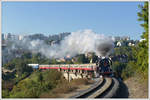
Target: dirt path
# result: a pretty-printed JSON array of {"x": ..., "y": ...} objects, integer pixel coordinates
[{"x": 136, "y": 89}]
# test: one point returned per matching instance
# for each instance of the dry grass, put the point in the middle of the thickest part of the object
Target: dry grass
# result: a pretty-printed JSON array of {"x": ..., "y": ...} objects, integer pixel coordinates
[
  {"x": 84, "y": 81},
  {"x": 49, "y": 95},
  {"x": 66, "y": 87}
]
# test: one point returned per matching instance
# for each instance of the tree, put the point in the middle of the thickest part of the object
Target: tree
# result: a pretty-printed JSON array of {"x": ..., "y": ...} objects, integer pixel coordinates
[
  {"x": 142, "y": 55},
  {"x": 143, "y": 16},
  {"x": 19, "y": 67},
  {"x": 40, "y": 78},
  {"x": 82, "y": 59},
  {"x": 53, "y": 61},
  {"x": 9, "y": 65}
]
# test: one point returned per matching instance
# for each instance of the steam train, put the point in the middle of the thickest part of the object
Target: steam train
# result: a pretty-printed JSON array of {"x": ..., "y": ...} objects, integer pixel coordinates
[{"x": 102, "y": 67}]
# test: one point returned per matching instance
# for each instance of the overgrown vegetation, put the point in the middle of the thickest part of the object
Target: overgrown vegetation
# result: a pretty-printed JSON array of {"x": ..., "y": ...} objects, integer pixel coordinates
[
  {"x": 20, "y": 71},
  {"x": 137, "y": 56},
  {"x": 142, "y": 54},
  {"x": 37, "y": 83},
  {"x": 43, "y": 84}
]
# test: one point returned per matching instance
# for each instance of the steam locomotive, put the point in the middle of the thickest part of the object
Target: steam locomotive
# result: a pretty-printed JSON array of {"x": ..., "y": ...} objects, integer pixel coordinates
[{"x": 104, "y": 66}]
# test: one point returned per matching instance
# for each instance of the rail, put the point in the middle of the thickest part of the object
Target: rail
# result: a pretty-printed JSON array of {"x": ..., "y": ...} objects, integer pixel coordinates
[{"x": 104, "y": 88}]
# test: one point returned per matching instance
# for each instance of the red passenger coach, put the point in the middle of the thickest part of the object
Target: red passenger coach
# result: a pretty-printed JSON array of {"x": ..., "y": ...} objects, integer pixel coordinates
[{"x": 89, "y": 67}]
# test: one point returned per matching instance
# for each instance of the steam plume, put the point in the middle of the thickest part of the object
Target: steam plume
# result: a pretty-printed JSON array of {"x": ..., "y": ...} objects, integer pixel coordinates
[{"x": 76, "y": 43}]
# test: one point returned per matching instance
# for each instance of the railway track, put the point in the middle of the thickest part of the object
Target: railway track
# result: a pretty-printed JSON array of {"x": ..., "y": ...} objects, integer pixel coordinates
[{"x": 103, "y": 88}]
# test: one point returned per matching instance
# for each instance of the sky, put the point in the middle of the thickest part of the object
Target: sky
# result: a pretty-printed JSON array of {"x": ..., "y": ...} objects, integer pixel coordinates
[{"x": 108, "y": 18}]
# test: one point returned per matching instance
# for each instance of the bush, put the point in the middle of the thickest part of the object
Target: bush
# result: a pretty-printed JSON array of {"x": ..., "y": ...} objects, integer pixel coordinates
[
  {"x": 5, "y": 93},
  {"x": 129, "y": 70},
  {"x": 37, "y": 83},
  {"x": 65, "y": 87}
]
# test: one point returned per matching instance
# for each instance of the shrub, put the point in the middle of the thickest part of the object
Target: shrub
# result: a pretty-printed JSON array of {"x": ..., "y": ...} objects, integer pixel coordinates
[
  {"x": 5, "y": 93},
  {"x": 129, "y": 70}
]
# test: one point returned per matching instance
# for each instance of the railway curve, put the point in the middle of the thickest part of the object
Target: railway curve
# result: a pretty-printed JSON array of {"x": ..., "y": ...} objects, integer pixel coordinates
[{"x": 103, "y": 88}]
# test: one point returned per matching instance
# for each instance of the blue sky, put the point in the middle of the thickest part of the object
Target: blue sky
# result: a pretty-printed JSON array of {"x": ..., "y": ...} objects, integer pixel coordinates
[{"x": 109, "y": 18}]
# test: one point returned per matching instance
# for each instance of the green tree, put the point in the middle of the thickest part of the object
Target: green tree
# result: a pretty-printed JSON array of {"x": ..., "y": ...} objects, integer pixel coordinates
[
  {"x": 143, "y": 16},
  {"x": 10, "y": 65},
  {"x": 40, "y": 78},
  {"x": 82, "y": 59},
  {"x": 142, "y": 55},
  {"x": 5, "y": 93},
  {"x": 53, "y": 61}
]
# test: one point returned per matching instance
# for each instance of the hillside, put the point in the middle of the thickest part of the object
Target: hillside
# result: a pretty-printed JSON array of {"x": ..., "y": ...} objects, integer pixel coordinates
[{"x": 136, "y": 88}]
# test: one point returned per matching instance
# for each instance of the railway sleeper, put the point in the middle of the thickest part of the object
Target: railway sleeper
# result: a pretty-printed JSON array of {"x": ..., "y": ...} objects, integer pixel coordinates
[
  {"x": 113, "y": 91},
  {"x": 103, "y": 89}
]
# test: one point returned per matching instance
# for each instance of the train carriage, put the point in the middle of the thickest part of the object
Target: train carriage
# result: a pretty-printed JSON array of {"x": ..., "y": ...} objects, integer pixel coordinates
[{"x": 102, "y": 67}]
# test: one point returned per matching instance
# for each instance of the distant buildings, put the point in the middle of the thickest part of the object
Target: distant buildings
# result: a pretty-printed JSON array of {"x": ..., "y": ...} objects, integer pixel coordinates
[
  {"x": 59, "y": 36},
  {"x": 142, "y": 40},
  {"x": 10, "y": 36},
  {"x": 88, "y": 54},
  {"x": 21, "y": 37},
  {"x": 56, "y": 38},
  {"x": 131, "y": 44},
  {"x": 126, "y": 38},
  {"x": 61, "y": 60},
  {"x": 4, "y": 36},
  {"x": 118, "y": 44},
  {"x": 54, "y": 42},
  {"x": 125, "y": 41},
  {"x": 118, "y": 38}
]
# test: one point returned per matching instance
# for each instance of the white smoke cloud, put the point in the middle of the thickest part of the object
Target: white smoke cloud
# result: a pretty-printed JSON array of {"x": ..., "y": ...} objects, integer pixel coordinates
[
  {"x": 86, "y": 41},
  {"x": 78, "y": 42}
]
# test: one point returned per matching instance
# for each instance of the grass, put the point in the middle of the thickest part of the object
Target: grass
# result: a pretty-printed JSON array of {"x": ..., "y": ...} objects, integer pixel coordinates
[
  {"x": 53, "y": 85},
  {"x": 66, "y": 87}
]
